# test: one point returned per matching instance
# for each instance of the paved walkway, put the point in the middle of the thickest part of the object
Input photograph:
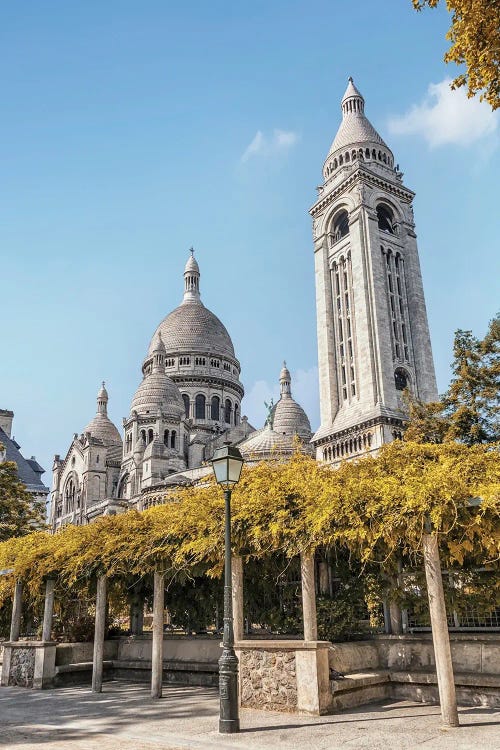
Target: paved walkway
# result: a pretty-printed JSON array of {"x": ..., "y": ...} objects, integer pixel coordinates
[{"x": 124, "y": 717}]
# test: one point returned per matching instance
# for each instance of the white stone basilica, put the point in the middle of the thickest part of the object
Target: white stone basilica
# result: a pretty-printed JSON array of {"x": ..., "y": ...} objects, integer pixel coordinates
[{"x": 373, "y": 342}]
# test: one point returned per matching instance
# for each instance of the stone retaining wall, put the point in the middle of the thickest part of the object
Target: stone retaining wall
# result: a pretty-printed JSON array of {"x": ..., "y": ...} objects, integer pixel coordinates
[{"x": 268, "y": 677}]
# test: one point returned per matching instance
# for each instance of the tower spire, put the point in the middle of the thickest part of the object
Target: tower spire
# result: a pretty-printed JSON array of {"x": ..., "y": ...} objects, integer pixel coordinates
[
  {"x": 191, "y": 279},
  {"x": 102, "y": 400}
]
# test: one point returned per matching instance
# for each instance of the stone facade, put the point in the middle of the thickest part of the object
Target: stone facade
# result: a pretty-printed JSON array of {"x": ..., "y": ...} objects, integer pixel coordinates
[
  {"x": 373, "y": 336},
  {"x": 22, "y": 667},
  {"x": 187, "y": 404},
  {"x": 268, "y": 679}
]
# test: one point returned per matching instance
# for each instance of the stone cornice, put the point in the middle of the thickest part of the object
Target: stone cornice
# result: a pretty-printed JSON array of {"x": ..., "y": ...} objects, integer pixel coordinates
[
  {"x": 209, "y": 380},
  {"x": 403, "y": 193},
  {"x": 356, "y": 429}
]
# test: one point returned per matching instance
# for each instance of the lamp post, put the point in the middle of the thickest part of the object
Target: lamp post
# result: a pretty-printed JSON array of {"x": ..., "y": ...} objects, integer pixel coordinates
[{"x": 227, "y": 464}]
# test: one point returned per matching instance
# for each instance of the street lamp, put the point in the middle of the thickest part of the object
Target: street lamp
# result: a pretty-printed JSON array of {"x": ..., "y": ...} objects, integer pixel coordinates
[{"x": 227, "y": 464}]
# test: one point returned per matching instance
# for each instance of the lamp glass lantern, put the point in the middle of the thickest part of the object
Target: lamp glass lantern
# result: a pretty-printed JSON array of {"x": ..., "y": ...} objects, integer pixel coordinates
[{"x": 227, "y": 464}]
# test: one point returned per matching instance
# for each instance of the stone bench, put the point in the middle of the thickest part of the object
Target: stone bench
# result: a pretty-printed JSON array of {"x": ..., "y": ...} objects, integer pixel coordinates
[
  {"x": 402, "y": 667},
  {"x": 139, "y": 670}
]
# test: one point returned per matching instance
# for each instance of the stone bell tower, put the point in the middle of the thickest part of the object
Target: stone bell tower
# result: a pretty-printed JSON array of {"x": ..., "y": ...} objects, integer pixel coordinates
[{"x": 373, "y": 335}]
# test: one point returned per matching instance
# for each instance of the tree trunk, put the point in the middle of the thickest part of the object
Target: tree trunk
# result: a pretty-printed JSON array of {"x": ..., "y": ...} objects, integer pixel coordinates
[
  {"x": 440, "y": 636},
  {"x": 48, "y": 610},
  {"x": 100, "y": 627},
  {"x": 157, "y": 645},
  {"x": 17, "y": 611},
  {"x": 308, "y": 596},
  {"x": 237, "y": 591}
]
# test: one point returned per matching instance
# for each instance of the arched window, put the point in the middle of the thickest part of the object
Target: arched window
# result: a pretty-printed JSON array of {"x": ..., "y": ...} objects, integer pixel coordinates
[
  {"x": 199, "y": 407},
  {"x": 185, "y": 398},
  {"x": 165, "y": 437},
  {"x": 215, "y": 408},
  {"x": 236, "y": 414},
  {"x": 400, "y": 379},
  {"x": 227, "y": 411},
  {"x": 143, "y": 435},
  {"x": 340, "y": 225},
  {"x": 385, "y": 219},
  {"x": 173, "y": 439},
  {"x": 150, "y": 436}
]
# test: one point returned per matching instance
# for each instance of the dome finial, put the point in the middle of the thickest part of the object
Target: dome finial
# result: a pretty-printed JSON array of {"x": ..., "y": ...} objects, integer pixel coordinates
[{"x": 191, "y": 279}]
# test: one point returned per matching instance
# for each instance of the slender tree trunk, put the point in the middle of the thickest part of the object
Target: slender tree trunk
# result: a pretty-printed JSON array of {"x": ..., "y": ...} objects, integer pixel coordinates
[
  {"x": 440, "y": 635},
  {"x": 308, "y": 596},
  {"x": 237, "y": 592},
  {"x": 100, "y": 627},
  {"x": 157, "y": 645},
  {"x": 48, "y": 610},
  {"x": 17, "y": 611}
]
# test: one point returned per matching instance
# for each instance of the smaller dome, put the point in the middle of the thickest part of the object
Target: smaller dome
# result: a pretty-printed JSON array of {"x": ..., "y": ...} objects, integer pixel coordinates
[
  {"x": 263, "y": 443},
  {"x": 158, "y": 391},
  {"x": 102, "y": 428},
  {"x": 289, "y": 418}
]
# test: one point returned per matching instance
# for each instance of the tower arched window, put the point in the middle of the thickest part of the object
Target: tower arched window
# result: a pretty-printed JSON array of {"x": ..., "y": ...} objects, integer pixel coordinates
[
  {"x": 150, "y": 436},
  {"x": 400, "y": 379},
  {"x": 236, "y": 415},
  {"x": 173, "y": 439},
  {"x": 215, "y": 408},
  {"x": 185, "y": 398},
  {"x": 143, "y": 435},
  {"x": 340, "y": 225},
  {"x": 227, "y": 411},
  {"x": 200, "y": 406},
  {"x": 165, "y": 437},
  {"x": 385, "y": 219}
]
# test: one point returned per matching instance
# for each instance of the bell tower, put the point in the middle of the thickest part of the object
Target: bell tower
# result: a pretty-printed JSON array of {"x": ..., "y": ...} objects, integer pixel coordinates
[{"x": 373, "y": 335}]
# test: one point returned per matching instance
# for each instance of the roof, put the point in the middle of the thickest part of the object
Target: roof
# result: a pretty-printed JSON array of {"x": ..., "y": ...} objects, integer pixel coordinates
[
  {"x": 28, "y": 470},
  {"x": 191, "y": 327},
  {"x": 158, "y": 391},
  {"x": 355, "y": 127},
  {"x": 103, "y": 428}
]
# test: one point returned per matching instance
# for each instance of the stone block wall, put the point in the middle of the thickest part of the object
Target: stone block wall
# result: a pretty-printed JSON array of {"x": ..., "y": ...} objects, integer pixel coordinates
[
  {"x": 268, "y": 679},
  {"x": 22, "y": 667}
]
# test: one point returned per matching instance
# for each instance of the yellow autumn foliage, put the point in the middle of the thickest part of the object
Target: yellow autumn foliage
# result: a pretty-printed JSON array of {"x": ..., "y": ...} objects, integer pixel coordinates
[{"x": 376, "y": 507}]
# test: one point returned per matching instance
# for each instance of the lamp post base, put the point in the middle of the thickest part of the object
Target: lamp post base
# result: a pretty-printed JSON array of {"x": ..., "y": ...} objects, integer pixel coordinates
[
  {"x": 228, "y": 691},
  {"x": 229, "y": 726}
]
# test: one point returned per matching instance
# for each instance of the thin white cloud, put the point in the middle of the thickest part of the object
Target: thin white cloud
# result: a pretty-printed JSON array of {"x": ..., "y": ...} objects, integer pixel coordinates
[
  {"x": 267, "y": 145},
  {"x": 305, "y": 391},
  {"x": 447, "y": 117}
]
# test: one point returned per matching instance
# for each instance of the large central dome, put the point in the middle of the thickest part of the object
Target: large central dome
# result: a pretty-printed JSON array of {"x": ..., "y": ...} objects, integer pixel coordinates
[{"x": 191, "y": 327}]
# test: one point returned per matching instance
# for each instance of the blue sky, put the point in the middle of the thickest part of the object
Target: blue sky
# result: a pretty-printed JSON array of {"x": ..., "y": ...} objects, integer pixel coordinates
[{"x": 131, "y": 131}]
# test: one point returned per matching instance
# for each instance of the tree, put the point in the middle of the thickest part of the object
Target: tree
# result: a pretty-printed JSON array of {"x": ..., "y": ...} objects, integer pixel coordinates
[
  {"x": 469, "y": 411},
  {"x": 20, "y": 513},
  {"x": 475, "y": 42}
]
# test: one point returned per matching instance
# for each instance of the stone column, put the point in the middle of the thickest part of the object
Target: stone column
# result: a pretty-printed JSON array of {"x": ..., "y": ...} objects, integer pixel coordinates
[
  {"x": 48, "y": 610},
  {"x": 17, "y": 610},
  {"x": 237, "y": 588},
  {"x": 440, "y": 636},
  {"x": 157, "y": 645},
  {"x": 308, "y": 596},
  {"x": 100, "y": 624}
]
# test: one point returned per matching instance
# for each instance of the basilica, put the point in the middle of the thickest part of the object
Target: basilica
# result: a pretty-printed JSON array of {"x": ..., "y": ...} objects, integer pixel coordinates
[{"x": 373, "y": 343}]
